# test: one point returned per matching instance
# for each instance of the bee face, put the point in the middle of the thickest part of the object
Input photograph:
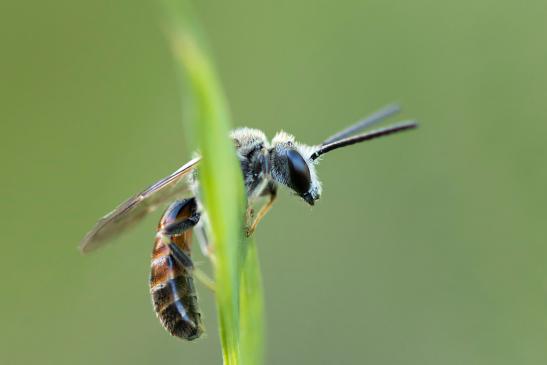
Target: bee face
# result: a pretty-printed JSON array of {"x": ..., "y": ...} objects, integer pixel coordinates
[{"x": 293, "y": 167}]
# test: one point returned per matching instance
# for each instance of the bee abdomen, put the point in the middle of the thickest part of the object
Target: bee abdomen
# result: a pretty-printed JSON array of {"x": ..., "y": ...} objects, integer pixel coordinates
[
  {"x": 175, "y": 300},
  {"x": 172, "y": 285}
]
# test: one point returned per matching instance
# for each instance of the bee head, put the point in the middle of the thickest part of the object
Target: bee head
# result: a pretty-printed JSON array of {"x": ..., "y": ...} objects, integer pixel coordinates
[{"x": 292, "y": 166}]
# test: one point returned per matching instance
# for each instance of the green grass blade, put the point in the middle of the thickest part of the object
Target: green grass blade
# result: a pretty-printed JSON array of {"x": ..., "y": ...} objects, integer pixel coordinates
[
  {"x": 252, "y": 307},
  {"x": 238, "y": 283}
]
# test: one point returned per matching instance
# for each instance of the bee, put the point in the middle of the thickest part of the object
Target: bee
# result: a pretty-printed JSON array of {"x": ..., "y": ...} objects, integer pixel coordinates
[{"x": 264, "y": 166}]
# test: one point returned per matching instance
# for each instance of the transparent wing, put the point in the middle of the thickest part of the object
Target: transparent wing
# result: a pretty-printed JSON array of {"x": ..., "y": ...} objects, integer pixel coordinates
[{"x": 133, "y": 210}]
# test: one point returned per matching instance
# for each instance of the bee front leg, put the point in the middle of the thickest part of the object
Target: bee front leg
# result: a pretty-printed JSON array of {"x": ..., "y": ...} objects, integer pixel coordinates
[{"x": 261, "y": 213}]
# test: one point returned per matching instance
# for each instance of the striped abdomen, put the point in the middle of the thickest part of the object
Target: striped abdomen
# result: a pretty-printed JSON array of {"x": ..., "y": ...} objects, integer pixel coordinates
[{"x": 171, "y": 284}]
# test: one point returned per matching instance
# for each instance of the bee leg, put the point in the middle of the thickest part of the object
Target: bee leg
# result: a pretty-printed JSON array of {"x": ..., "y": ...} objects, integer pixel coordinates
[
  {"x": 177, "y": 228},
  {"x": 185, "y": 260},
  {"x": 205, "y": 279},
  {"x": 261, "y": 213},
  {"x": 207, "y": 251},
  {"x": 204, "y": 242},
  {"x": 181, "y": 257}
]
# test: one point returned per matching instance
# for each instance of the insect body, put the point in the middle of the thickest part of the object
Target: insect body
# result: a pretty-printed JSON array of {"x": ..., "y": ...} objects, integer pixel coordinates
[{"x": 264, "y": 165}]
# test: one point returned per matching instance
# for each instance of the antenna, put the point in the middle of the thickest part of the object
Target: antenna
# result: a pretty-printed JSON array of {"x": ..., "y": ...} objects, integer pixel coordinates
[
  {"x": 403, "y": 126},
  {"x": 377, "y": 117}
]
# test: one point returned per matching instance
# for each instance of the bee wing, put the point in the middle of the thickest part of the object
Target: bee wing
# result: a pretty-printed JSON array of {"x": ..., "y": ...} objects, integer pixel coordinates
[{"x": 133, "y": 210}]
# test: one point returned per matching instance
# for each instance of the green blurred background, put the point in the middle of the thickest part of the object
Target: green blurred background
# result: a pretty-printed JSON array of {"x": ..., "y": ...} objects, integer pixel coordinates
[{"x": 426, "y": 248}]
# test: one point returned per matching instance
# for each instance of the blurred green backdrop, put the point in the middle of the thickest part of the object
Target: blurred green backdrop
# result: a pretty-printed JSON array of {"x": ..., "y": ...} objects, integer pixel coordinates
[{"x": 426, "y": 248}]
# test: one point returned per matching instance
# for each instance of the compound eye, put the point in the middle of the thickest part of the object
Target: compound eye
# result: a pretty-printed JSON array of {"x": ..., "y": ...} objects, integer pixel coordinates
[{"x": 299, "y": 172}]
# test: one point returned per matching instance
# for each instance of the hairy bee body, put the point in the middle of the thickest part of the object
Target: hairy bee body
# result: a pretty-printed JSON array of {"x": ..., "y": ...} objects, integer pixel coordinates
[{"x": 171, "y": 283}]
